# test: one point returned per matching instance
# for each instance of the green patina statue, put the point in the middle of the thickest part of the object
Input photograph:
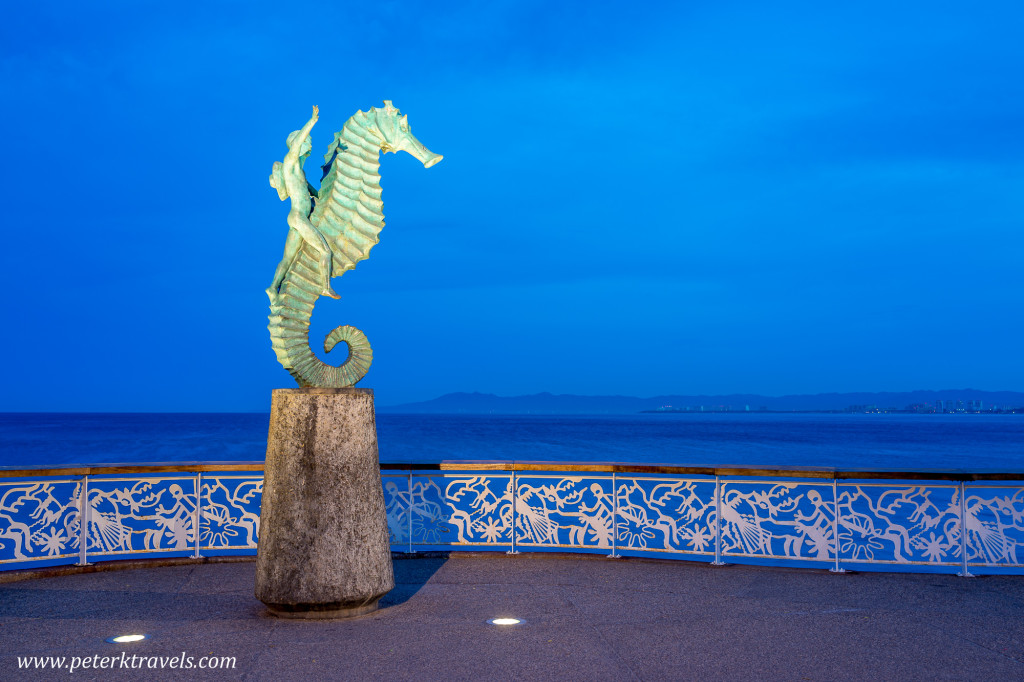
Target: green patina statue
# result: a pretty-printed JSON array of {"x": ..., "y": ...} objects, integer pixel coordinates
[{"x": 331, "y": 230}]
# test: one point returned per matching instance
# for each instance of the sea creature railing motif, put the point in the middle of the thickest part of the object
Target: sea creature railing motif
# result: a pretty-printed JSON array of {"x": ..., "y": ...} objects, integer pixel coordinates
[
  {"x": 802, "y": 518},
  {"x": 87, "y": 518}
]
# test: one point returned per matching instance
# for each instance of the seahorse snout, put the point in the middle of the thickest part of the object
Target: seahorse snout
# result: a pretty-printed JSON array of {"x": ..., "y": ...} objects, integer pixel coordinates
[{"x": 420, "y": 152}]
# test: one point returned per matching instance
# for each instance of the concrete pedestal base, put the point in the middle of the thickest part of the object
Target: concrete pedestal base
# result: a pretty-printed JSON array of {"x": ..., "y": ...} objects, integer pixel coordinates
[
  {"x": 323, "y": 549},
  {"x": 324, "y": 613}
]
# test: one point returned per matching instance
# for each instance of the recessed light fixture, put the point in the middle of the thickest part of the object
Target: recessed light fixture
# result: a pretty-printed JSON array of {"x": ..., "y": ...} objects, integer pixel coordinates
[
  {"x": 505, "y": 621},
  {"x": 125, "y": 639}
]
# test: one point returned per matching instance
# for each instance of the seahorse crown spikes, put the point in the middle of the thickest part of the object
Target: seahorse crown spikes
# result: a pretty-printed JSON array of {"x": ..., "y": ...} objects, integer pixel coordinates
[{"x": 342, "y": 226}]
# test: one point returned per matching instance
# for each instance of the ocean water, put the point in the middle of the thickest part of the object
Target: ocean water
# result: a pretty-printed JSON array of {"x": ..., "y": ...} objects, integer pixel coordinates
[{"x": 844, "y": 441}]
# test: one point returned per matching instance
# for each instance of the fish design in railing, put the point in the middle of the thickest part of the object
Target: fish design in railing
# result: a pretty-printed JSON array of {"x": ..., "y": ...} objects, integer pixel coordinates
[{"x": 330, "y": 231}]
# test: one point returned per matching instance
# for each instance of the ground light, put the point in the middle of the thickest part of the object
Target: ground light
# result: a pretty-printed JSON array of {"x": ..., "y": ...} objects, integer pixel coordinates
[
  {"x": 504, "y": 621},
  {"x": 125, "y": 639}
]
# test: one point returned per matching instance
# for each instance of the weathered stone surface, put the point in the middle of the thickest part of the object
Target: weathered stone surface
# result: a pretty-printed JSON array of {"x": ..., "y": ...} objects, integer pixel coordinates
[{"x": 323, "y": 546}]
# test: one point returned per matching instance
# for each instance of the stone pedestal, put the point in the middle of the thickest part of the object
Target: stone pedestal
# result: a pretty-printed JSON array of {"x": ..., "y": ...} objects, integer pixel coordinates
[{"x": 323, "y": 549}]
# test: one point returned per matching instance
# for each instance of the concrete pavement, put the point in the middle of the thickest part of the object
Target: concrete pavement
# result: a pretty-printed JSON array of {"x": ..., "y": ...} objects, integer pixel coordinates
[{"x": 587, "y": 618}]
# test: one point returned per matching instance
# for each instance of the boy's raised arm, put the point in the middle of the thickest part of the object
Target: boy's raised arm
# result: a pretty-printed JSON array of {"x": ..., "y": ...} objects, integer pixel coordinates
[{"x": 293, "y": 151}]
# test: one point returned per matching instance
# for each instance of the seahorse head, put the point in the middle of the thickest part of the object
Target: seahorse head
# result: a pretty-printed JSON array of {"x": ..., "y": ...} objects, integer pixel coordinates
[{"x": 396, "y": 135}]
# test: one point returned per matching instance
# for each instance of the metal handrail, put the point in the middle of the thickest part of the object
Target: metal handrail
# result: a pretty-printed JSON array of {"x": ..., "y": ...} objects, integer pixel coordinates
[{"x": 824, "y": 473}]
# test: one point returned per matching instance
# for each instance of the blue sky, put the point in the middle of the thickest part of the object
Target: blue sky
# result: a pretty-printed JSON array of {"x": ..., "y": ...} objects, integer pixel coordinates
[{"x": 636, "y": 198}]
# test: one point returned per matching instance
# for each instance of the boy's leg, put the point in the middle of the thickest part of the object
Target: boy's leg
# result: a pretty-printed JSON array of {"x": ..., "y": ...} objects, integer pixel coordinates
[
  {"x": 315, "y": 239},
  {"x": 291, "y": 251},
  {"x": 325, "y": 267}
]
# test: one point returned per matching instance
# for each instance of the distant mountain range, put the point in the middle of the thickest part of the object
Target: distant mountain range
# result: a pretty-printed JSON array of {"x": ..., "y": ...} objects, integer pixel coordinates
[{"x": 547, "y": 403}]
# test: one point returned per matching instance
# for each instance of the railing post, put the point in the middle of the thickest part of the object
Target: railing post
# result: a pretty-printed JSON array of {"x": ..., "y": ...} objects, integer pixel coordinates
[
  {"x": 964, "y": 573},
  {"x": 196, "y": 513},
  {"x": 409, "y": 512},
  {"x": 83, "y": 523},
  {"x": 515, "y": 494},
  {"x": 835, "y": 526},
  {"x": 718, "y": 523},
  {"x": 615, "y": 517}
]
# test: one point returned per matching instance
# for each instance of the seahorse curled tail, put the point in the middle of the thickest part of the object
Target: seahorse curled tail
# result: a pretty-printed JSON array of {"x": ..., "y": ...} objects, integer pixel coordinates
[{"x": 289, "y": 331}]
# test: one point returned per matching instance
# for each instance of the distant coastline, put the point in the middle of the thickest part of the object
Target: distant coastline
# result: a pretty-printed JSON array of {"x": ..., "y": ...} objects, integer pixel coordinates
[
  {"x": 945, "y": 401},
  {"x": 1013, "y": 410}
]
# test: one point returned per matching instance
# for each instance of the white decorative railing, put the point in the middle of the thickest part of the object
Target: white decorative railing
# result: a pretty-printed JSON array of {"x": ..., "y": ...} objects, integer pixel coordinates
[
  {"x": 86, "y": 514},
  {"x": 964, "y": 523}
]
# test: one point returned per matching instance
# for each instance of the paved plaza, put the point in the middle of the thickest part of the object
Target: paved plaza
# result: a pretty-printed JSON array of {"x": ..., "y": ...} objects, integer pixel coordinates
[{"x": 586, "y": 618}]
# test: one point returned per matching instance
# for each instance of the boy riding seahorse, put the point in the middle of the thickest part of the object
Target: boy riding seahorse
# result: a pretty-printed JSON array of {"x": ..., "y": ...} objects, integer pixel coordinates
[{"x": 290, "y": 182}]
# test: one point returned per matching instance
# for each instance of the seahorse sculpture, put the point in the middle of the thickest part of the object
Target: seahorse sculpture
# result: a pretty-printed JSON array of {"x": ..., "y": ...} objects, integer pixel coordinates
[{"x": 331, "y": 229}]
